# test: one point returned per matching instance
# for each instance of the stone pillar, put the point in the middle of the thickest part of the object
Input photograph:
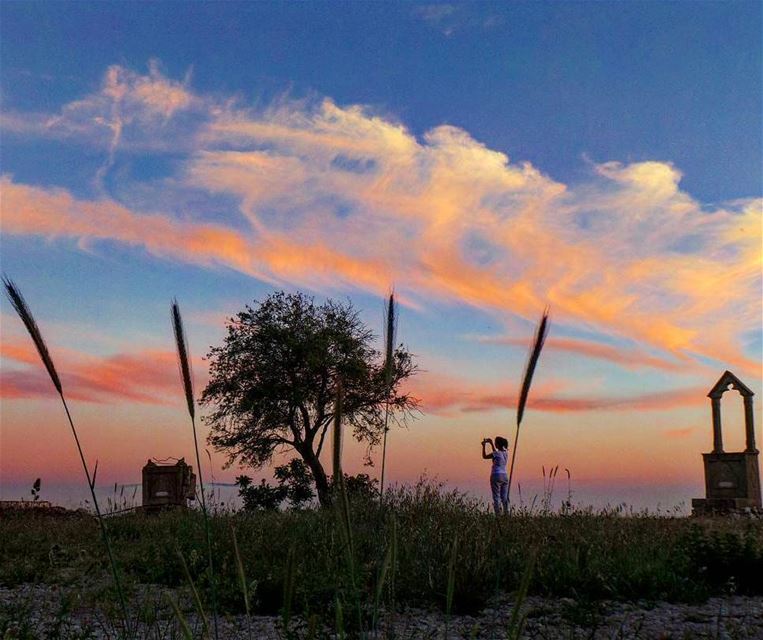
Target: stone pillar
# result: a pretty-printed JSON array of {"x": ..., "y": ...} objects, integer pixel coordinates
[
  {"x": 717, "y": 434},
  {"x": 749, "y": 425}
]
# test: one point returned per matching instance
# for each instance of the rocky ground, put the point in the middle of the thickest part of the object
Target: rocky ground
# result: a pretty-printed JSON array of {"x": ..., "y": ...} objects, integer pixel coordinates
[{"x": 54, "y": 612}]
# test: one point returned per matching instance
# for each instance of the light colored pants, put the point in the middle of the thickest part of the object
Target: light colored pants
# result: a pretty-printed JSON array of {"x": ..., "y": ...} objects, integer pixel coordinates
[{"x": 499, "y": 485}]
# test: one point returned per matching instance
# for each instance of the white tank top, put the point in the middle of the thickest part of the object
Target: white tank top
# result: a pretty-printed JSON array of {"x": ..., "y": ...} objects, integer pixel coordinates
[{"x": 500, "y": 458}]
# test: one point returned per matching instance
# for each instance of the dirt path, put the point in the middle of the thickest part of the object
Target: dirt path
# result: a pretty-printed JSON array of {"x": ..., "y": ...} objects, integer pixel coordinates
[{"x": 43, "y": 611}]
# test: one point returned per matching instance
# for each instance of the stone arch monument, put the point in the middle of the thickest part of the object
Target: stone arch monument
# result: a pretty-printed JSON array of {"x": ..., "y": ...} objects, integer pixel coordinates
[{"x": 732, "y": 480}]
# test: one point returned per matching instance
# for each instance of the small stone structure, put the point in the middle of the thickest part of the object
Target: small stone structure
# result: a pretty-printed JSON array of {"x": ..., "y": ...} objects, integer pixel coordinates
[
  {"x": 732, "y": 480},
  {"x": 167, "y": 485}
]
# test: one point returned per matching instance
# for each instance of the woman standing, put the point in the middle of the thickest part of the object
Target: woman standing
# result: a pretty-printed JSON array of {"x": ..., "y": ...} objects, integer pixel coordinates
[{"x": 499, "y": 479}]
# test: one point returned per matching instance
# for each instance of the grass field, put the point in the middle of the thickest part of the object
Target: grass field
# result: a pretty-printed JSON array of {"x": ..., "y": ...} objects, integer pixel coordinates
[{"x": 426, "y": 548}]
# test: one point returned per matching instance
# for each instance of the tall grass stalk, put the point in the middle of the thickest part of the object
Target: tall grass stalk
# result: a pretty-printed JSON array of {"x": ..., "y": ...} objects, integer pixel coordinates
[
  {"x": 339, "y": 619},
  {"x": 336, "y": 451},
  {"x": 389, "y": 335},
  {"x": 185, "y": 628},
  {"x": 518, "y": 619},
  {"x": 532, "y": 362},
  {"x": 387, "y": 563},
  {"x": 342, "y": 502},
  {"x": 22, "y": 309},
  {"x": 194, "y": 592},
  {"x": 451, "y": 584},
  {"x": 242, "y": 580},
  {"x": 340, "y": 488},
  {"x": 288, "y": 588},
  {"x": 184, "y": 363}
]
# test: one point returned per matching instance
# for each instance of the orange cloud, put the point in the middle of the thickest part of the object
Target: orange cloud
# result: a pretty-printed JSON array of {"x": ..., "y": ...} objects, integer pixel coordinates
[
  {"x": 442, "y": 395},
  {"x": 338, "y": 197},
  {"x": 147, "y": 377},
  {"x": 627, "y": 357}
]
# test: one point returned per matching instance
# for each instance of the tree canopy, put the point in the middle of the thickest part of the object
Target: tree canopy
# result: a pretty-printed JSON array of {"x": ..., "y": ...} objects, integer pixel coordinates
[{"x": 273, "y": 381}]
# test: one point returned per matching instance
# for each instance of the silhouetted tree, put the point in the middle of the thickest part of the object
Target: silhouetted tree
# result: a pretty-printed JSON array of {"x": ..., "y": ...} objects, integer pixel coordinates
[{"x": 272, "y": 382}]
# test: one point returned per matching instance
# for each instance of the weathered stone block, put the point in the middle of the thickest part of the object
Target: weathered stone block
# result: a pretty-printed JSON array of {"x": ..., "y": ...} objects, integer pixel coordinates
[{"x": 167, "y": 485}]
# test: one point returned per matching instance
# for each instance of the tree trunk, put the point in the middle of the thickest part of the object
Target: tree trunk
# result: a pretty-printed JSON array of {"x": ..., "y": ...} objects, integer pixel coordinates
[{"x": 319, "y": 475}]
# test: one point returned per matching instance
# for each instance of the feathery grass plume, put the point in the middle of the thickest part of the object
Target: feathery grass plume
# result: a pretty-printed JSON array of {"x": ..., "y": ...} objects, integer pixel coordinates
[
  {"x": 23, "y": 311},
  {"x": 183, "y": 360},
  {"x": 20, "y": 305},
  {"x": 389, "y": 364},
  {"x": 532, "y": 362},
  {"x": 184, "y": 363}
]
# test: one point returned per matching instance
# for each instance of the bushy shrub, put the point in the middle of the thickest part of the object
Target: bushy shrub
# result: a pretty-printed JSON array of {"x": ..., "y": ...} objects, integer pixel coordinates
[
  {"x": 726, "y": 561},
  {"x": 260, "y": 497}
]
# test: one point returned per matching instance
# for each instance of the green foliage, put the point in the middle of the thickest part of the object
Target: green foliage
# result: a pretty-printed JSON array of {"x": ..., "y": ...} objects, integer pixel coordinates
[
  {"x": 295, "y": 476},
  {"x": 260, "y": 497},
  {"x": 273, "y": 382},
  {"x": 294, "y": 484},
  {"x": 729, "y": 561},
  {"x": 361, "y": 487},
  {"x": 405, "y": 553}
]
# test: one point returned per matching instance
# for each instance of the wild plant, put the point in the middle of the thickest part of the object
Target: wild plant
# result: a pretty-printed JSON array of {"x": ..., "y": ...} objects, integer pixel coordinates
[
  {"x": 389, "y": 339},
  {"x": 451, "y": 583},
  {"x": 548, "y": 487},
  {"x": 342, "y": 505},
  {"x": 187, "y": 379},
  {"x": 386, "y": 568},
  {"x": 288, "y": 588},
  {"x": 242, "y": 581},
  {"x": 532, "y": 362},
  {"x": 567, "y": 504},
  {"x": 518, "y": 617},
  {"x": 23, "y": 311}
]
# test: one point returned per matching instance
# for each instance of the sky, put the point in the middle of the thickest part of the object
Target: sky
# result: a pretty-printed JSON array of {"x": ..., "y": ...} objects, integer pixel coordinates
[{"x": 484, "y": 159}]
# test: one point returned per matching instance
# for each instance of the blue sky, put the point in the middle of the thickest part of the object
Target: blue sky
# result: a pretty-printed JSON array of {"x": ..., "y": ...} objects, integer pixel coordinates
[
  {"x": 604, "y": 158},
  {"x": 545, "y": 82}
]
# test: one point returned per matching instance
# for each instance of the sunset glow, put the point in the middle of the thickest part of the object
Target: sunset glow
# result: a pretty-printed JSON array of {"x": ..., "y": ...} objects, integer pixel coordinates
[{"x": 485, "y": 164}]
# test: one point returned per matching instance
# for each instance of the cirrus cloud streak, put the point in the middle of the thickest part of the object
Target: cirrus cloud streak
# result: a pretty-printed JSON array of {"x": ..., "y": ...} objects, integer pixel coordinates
[{"x": 331, "y": 197}]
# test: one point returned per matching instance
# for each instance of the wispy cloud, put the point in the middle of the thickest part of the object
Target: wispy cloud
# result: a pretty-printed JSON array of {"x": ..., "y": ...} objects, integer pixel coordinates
[
  {"x": 145, "y": 377},
  {"x": 128, "y": 109},
  {"x": 630, "y": 358},
  {"x": 151, "y": 377},
  {"x": 331, "y": 197},
  {"x": 449, "y": 18},
  {"x": 449, "y": 396}
]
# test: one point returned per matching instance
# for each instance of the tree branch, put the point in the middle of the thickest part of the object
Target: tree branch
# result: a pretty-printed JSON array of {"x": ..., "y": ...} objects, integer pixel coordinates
[
  {"x": 323, "y": 435},
  {"x": 305, "y": 418},
  {"x": 293, "y": 426}
]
